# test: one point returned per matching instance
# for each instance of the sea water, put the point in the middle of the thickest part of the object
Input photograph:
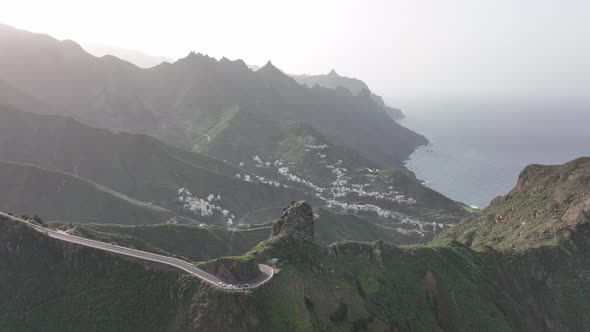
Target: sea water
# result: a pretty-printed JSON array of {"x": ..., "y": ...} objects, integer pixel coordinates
[{"x": 478, "y": 149}]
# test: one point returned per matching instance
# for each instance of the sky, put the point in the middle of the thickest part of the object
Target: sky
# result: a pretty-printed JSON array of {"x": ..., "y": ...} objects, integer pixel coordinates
[{"x": 402, "y": 49}]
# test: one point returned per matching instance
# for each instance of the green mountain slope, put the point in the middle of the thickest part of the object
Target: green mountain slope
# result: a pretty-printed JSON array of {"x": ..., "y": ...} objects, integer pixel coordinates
[
  {"x": 301, "y": 157},
  {"x": 542, "y": 286},
  {"x": 328, "y": 146},
  {"x": 61, "y": 196},
  {"x": 345, "y": 286},
  {"x": 362, "y": 286},
  {"x": 138, "y": 166},
  {"x": 192, "y": 242},
  {"x": 148, "y": 170},
  {"x": 54, "y": 286},
  {"x": 332, "y": 227},
  {"x": 547, "y": 204}
]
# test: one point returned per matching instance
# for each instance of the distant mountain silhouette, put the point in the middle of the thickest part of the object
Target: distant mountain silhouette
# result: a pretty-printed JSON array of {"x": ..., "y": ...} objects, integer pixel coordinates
[
  {"x": 355, "y": 86},
  {"x": 198, "y": 90},
  {"x": 137, "y": 58}
]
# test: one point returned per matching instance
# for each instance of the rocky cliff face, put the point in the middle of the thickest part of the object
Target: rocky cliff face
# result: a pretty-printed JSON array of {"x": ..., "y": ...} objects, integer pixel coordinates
[
  {"x": 232, "y": 270},
  {"x": 296, "y": 222},
  {"x": 547, "y": 203}
]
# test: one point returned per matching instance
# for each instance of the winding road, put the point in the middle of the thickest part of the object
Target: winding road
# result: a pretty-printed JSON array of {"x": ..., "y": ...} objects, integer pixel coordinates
[
  {"x": 267, "y": 272},
  {"x": 190, "y": 129}
]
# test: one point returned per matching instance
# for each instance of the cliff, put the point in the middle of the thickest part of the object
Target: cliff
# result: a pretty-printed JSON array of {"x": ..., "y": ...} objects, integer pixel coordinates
[
  {"x": 296, "y": 222},
  {"x": 547, "y": 204},
  {"x": 232, "y": 270}
]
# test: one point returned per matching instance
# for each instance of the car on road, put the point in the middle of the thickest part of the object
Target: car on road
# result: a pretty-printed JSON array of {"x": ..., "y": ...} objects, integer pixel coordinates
[{"x": 246, "y": 286}]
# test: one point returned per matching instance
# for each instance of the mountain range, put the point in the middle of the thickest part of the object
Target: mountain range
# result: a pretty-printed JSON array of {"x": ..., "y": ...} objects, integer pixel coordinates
[
  {"x": 226, "y": 168},
  {"x": 234, "y": 145},
  {"x": 194, "y": 98},
  {"x": 137, "y": 58}
]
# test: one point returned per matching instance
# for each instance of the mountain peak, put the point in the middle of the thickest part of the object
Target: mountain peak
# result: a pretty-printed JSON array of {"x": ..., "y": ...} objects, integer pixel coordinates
[
  {"x": 270, "y": 70},
  {"x": 269, "y": 65},
  {"x": 333, "y": 73}
]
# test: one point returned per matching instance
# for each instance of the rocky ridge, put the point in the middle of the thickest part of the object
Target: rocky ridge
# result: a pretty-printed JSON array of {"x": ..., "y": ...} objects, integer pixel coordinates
[
  {"x": 548, "y": 203},
  {"x": 296, "y": 222}
]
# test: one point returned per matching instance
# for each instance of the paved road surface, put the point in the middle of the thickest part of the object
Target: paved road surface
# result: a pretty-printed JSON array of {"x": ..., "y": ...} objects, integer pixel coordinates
[
  {"x": 190, "y": 128},
  {"x": 266, "y": 275}
]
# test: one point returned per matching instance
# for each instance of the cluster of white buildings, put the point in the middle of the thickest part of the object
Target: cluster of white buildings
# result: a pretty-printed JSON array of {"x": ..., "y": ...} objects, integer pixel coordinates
[
  {"x": 383, "y": 213},
  {"x": 260, "y": 179},
  {"x": 245, "y": 177},
  {"x": 355, "y": 208},
  {"x": 260, "y": 163},
  {"x": 421, "y": 224},
  {"x": 309, "y": 147},
  {"x": 273, "y": 183},
  {"x": 340, "y": 189},
  {"x": 204, "y": 207},
  {"x": 284, "y": 172}
]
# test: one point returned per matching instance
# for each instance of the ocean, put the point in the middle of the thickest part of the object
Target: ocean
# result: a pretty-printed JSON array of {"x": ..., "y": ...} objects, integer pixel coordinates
[{"x": 478, "y": 149}]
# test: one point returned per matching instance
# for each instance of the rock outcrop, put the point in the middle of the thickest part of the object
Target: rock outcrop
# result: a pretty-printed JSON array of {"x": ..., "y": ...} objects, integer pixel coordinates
[
  {"x": 232, "y": 270},
  {"x": 577, "y": 214},
  {"x": 296, "y": 222}
]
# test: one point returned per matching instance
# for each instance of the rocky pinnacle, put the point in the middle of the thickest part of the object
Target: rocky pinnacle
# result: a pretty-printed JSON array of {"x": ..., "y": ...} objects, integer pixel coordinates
[{"x": 296, "y": 221}]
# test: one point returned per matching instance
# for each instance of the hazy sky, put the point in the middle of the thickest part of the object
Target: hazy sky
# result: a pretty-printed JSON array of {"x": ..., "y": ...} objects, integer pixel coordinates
[{"x": 402, "y": 49}]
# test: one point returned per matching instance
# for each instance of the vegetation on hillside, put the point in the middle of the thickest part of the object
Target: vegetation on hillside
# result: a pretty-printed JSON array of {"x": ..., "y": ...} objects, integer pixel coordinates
[
  {"x": 50, "y": 285},
  {"x": 547, "y": 204},
  {"x": 355, "y": 286},
  {"x": 61, "y": 196},
  {"x": 138, "y": 166},
  {"x": 205, "y": 243}
]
